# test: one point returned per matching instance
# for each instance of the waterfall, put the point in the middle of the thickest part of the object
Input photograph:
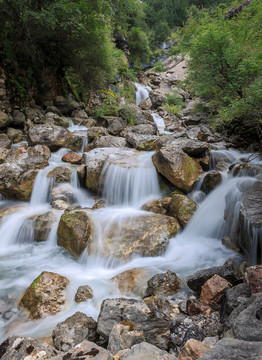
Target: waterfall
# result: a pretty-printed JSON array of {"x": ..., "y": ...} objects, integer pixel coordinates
[{"x": 142, "y": 93}]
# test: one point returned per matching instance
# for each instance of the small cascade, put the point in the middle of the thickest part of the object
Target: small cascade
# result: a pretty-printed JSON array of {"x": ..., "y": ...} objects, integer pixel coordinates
[
  {"x": 130, "y": 181},
  {"x": 142, "y": 93},
  {"x": 160, "y": 123},
  {"x": 41, "y": 190},
  {"x": 72, "y": 127}
]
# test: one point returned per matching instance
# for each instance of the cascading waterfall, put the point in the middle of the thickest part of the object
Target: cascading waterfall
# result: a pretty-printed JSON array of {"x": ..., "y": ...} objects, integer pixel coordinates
[{"x": 142, "y": 93}]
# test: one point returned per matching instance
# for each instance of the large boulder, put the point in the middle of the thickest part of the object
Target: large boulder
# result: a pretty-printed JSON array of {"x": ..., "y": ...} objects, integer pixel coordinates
[
  {"x": 45, "y": 296},
  {"x": 164, "y": 284},
  {"x": 155, "y": 325},
  {"x": 193, "y": 148},
  {"x": 15, "y": 183},
  {"x": 114, "y": 124},
  {"x": 60, "y": 174},
  {"x": 73, "y": 331},
  {"x": 213, "y": 290},
  {"x": 74, "y": 231},
  {"x": 18, "y": 117},
  {"x": 41, "y": 150},
  {"x": 176, "y": 166},
  {"x": 110, "y": 141},
  {"x": 141, "y": 141},
  {"x": 211, "y": 181},
  {"x": 96, "y": 132},
  {"x": 145, "y": 235},
  {"x": 182, "y": 208},
  {"x": 17, "y": 347},
  {"x": 50, "y": 135},
  {"x": 142, "y": 129}
]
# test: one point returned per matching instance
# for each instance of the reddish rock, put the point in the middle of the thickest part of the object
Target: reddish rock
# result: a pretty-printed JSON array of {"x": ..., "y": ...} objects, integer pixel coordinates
[
  {"x": 195, "y": 307},
  {"x": 72, "y": 158},
  {"x": 213, "y": 290},
  {"x": 253, "y": 277},
  {"x": 192, "y": 350}
]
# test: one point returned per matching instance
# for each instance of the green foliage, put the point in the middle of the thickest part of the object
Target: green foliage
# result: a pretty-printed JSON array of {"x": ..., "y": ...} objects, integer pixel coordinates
[
  {"x": 139, "y": 46},
  {"x": 173, "y": 109},
  {"x": 159, "y": 67},
  {"x": 174, "y": 99}
]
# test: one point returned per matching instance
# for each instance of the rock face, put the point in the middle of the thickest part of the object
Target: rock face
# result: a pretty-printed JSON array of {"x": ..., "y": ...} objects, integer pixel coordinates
[
  {"x": 155, "y": 325},
  {"x": 145, "y": 351},
  {"x": 73, "y": 331},
  {"x": 192, "y": 350},
  {"x": 123, "y": 336},
  {"x": 182, "y": 208},
  {"x": 213, "y": 290},
  {"x": 74, "y": 231},
  {"x": 45, "y": 296},
  {"x": 254, "y": 278},
  {"x": 164, "y": 284},
  {"x": 50, "y": 135},
  {"x": 176, "y": 166},
  {"x": 146, "y": 235},
  {"x": 16, "y": 347}
]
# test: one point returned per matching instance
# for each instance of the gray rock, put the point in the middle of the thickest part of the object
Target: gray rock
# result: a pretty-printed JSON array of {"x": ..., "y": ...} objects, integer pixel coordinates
[
  {"x": 233, "y": 349},
  {"x": 18, "y": 117},
  {"x": 83, "y": 293},
  {"x": 154, "y": 324},
  {"x": 234, "y": 297},
  {"x": 141, "y": 141},
  {"x": 5, "y": 119},
  {"x": 50, "y": 135},
  {"x": 164, "y": 284},
  {"x": 144, "y": 129},
  {"x": 211, "y": 181},
  {"x": 96, "y": 132},
  {"x": 73, "y": 331},
  {"x": 146, "y": 351},
  {"x": 110, "y": 141},
  {"x": 5, "y": 142},
  {"x": 66, "y": 105},
  {"x": 114, "y": 124},
  {"x": 39, "y": 150}
]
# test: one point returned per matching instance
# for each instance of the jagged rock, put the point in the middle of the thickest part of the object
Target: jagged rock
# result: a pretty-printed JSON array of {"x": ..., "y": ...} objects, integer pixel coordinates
[
  {"x": 79, "y": 114},
  {"x": 234, "y": 349},
  {"x": 146, "y": 104},
  {"x": 157, "y": 98},
  {"x": 50, "y": 135},
  {"x": 99, "y": 204},
  {"x": 96, "y": 132},
  {"x": 164, "y": 284},
  {"x": 160, "y": 206},
  {"x": 211, "y": 181},
  {"x": 45, "y": 296},
  {"x": 195, "y": 307},
  {"x": 142, "y": 129},
  {"x": 141, "y": 142},
  {"x": 5, "y": 142},
  {"x": 41, "y": 150},
  {"x": 227, "y": 271},
  {"x": 234, "y": 297},
  {"x": 35, "y": 115},
  {"x": 123, "y": 336},
  {"x": 5, "y": 119},
  {"x": 110, "y": 141},
  {"x": 131, "y": 281},
  {"x": 73, "y": 141},
  {"x": 182, "y": 208},
  {"x": 16, "y": 183},
  {"x": 60, "y": 174},
  {"x": 144, "y": 351},
  {"x": 146, "y": 235},
  {"x": 155, "y": 325},
  {"x": 114, "y": 124},
  {"x": 17, "y": 348},
  {"x": 193, "y": 148},
  {"x": 83, "y": 293},
  {"x": 74, "y": 231},
  {"x": 192, "y": 350},
  {"x": 213, "y": 290},
  {"x": 72, "y": 158},
  {"x": 176, "y": 166},
  {"x": 73, "y": 331},
  {"x": 253, "y": 277},
  {"x": 61, "y": 121},
  {"x": 36, "y": 162},
  {"x": 166, "y": 306},
  {"x": 16, "y": 155},
  {"x": 43, "y": 225}
]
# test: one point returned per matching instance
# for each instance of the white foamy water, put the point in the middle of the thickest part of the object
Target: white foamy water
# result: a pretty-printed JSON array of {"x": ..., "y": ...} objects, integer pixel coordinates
[
  {"x": 142, "y": 93},
  {"x": 128, "y": 181}
]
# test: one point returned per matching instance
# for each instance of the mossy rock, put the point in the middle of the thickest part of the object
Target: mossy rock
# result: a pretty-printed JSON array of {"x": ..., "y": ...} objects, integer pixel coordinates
[{"x": 182, "y": 208}]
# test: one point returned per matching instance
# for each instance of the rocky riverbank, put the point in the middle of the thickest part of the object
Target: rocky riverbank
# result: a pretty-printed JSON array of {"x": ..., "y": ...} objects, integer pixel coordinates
[{"x": 118, "y": 193}]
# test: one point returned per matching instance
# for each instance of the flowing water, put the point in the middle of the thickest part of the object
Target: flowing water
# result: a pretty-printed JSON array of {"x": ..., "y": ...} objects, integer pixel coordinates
[
  {"x": 142, "y": 93},
  {"x": 128, "y": 181}
]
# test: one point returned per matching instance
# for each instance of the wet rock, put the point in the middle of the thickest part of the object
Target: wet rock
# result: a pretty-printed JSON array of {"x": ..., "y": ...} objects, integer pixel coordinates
[
  {"x": 73, "y": 331},
  {"x": 64, "y": 192},
  {"x": 155, "y": 325},
  {"x": 141, "y": 142},
  {"x": 66, "y": 105},
  {"x": 73, "y": 142},
  {"x": 83, "y": 293},
  {"x": 195, "y": 307},
  {"x": 234, "y": 349},
  {"x": 166, "y": 306},
  {"x": 43, "y": 224},
  {"x": 96, "y": 132},
  {"x": 146, "y": 104},
  {"x": 182, "y": 208},
  {"x": 176, "y": 166},
  {"x": 123, "y": 336},
  {"x": 160, "y": 206},
  {"x": 211, "y": 181},
  {"x": 244, "y": 169},
  {"x": 50, "y": 135},
  {"x": 253, "y": 277},
  {"x": 3, "y": 154},
  {"x": 41, "y": 150},
  {"x": 164, "y": 284},
  {"x": 74, "y": 231},
  {"x": 15, "y": 183},
  {"x": 191, "y": 147},
  {"x": 114, "y": 124},
  {"x": 60, "y": 204},
  {"x": 228, "y": 271},
  {"x": 36, "y": 162},
  {"x": 9, "y": 211},
  {"x": 5, "y": 142},
  {"x": 192, "y": 350},
  {"x": 79, "y": 114},
  {"x": 45, "y": 296},
  {"x": 110, "y": 141},
  {"x": 131, "y": 281},
  {"x": 60, "y": 174},
  {"x": 72, "y": 158},
  {"x": 86, "y": 350},
  {"x": 144, "y": 351},
  {"x": 18, "y": 117},
  {"x": 248, "y": 324},
  {"x": 146, "y": 235},
  {"x": 16, "y": 348},
  {"x": 99, "y": 204},
  {"x": 5, "y": 119},
  {"x": 213, "y": 290},
  {"x": 61, "y": 121}
]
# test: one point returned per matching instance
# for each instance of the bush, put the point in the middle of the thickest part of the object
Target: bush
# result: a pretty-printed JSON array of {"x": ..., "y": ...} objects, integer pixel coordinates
[{"x": 159, "y": 67}]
